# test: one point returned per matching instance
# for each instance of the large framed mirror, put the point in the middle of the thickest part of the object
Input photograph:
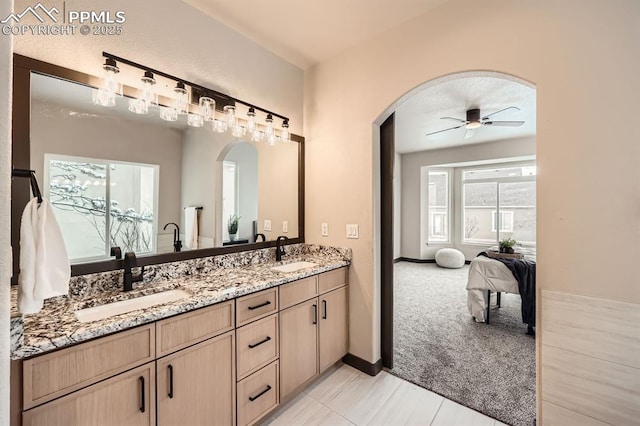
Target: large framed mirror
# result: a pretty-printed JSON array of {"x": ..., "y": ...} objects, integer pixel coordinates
[{"x": 136, "y": 181}]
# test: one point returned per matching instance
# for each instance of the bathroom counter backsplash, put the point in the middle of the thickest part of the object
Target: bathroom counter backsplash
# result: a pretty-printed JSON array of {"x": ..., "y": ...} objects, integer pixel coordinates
[{"x": 208, "y": 280}]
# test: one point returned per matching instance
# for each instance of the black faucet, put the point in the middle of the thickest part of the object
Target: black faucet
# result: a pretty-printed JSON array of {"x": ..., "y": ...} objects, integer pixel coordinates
[
  {"x": 280, "y": 248},
  {"x": 130, "y": 262},
  {"x": 177, "y": 244},
  {"x": 255, "y": 240}
]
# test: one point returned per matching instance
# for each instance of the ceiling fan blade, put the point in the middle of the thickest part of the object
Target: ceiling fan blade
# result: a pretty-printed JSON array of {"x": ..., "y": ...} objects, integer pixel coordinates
[
  {"x": 444, "y": 130},
  {"x": 468, "y": 134},
  {"x": 502, "y": 110},
  {"x": 503, "y": 123},
  {"x": 453, "y": 118}
]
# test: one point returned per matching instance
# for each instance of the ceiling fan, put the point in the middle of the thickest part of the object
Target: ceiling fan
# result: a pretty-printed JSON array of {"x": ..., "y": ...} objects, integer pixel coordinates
[{"x": 474, "y": 120}]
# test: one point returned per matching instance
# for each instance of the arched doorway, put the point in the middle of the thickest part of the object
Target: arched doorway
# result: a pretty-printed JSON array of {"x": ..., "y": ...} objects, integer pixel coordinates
[{"x": 388, "y": 122}]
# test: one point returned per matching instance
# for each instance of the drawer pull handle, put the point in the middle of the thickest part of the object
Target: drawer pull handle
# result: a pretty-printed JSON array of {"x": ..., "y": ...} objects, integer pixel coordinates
[
  {"x": 324, "y": 309},
  {"x": 315, "y": 313},
  {"x": 170, "y": 367},
  {"x": 142, "y": 388},
  {"x": 253, "y": 398},
  {"x": 267, "y": 303},
  {"x": 265, "y": 340}
]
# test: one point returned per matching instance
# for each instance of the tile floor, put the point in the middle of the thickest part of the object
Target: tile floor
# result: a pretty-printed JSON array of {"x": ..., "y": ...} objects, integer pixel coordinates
[{"x": 346, "y": 396}]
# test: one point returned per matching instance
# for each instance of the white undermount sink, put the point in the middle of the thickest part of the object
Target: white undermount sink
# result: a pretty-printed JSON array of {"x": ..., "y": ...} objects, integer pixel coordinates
[
  {"x": 294, "y": 267},
  {"x": 116, "y": 308}
]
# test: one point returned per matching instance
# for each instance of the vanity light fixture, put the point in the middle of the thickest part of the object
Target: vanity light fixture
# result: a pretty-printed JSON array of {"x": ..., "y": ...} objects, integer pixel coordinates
[
  {"x": 147, "y": 90},
  {"x": 284, "y": 135},
  {"x": 207, "y": 108},
  {"x": 251, "y": 120},
  {"x": 168, "y": 114},
  {"x": 205, "y": 101},
  {"x": 181, "y": 99},
  {"x": 111, "y": 87},
  {"x": 195, "y": 120}
]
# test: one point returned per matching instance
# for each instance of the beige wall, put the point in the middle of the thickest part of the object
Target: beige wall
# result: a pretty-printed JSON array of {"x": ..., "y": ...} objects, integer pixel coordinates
[
  {"x": 413, "y": 244},
  {"x": 5, "y": 211},
  {"x": 582, "y": 56}
]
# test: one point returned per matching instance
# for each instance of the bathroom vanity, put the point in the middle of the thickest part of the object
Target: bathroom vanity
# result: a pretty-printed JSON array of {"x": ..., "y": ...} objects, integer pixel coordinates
[{"x": 247, "y": 338}]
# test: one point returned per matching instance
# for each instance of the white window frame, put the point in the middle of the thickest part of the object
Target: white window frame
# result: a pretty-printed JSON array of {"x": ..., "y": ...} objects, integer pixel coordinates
[
  {"x": 497, "y": 181},
  {"x": 504, "y": 214},
  {"x": 447, "y": 214}
]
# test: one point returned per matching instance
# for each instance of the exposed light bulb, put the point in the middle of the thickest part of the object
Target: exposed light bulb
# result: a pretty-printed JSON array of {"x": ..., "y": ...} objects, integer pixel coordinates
[
  {"x": 251, "y": 120},
  {"x": 181, "y": 100},
  {"x": 207, "y": 108}
]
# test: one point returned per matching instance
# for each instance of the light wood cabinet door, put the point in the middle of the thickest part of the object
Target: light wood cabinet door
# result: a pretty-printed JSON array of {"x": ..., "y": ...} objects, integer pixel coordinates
[
  {"x": 333, "y": 331},
  {"x": 298, "y": 345},
  {"x": 127, "y": 399},
  {"x": 196, "y": 386}
]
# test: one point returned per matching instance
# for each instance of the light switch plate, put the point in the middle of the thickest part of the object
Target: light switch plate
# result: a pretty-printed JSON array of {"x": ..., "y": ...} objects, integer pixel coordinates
[
  {"x": 285, "y": 226},
  {"x": 267, "y": 225},
  {"x": 352, "y": 231},
  {"x": 324, "y": 229}
]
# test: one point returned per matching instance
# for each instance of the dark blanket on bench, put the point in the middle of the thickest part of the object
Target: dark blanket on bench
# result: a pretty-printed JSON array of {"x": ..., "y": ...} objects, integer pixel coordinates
[{"x": 524, "y": 271}]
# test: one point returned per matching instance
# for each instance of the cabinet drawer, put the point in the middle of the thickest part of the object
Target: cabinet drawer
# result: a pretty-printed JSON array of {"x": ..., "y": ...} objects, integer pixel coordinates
[
  {"x": 257, "y": 345},
  {"x": 298, "y": 291},
  {"x": 127, "y": 399},
  {"x": 187, "y": 329},
  {"x": 52, "y": 375},
  {"x": 258, "y": 394},
  {"x": 257, "y": 305},
  {"x": 332, "y": 279}
]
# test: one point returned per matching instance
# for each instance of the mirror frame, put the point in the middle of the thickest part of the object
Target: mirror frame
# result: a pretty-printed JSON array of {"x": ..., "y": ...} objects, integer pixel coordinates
[{"x": 23, "y": 66}]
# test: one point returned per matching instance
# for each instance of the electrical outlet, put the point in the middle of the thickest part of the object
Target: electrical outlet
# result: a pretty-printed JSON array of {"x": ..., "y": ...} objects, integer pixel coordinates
[
  {"x": 352, "y": 231},
  {"x": 267, "y": 225},
  {"x": 285, "y": 226},
  {"x": 324, "y": 229}
]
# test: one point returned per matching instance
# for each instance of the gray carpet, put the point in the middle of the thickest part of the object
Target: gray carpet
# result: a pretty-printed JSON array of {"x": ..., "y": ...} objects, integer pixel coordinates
[{"x": 437, "y": 345}]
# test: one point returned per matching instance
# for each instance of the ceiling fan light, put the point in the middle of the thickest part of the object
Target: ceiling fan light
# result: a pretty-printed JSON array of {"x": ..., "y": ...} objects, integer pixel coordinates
[{"x": 473, "y": 125}]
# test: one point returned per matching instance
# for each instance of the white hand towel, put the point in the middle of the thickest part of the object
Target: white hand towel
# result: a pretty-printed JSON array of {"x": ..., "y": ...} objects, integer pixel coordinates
[
  {"x": 191, "y": 228},
  {"x": 44, "y": 265}
]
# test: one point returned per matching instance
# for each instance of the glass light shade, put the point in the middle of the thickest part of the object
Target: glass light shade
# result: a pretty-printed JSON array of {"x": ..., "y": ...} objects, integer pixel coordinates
[
  {"x": 269, "y": 129},
  {"x": 251, "y": 120},
  {"x": 181, "y": 99},
  {"x": 473, "y": 125},
  {"x": 103, "y": 98},
  {"x": 230, "y": 115},
  {"x": 219, "y": 126},
  {"x": 147, "y": 90},
  {"x": 195, "y": 120},
  {"x": 138, "y": 106},
  {"x": 168, "y": 114},
  {"x": 238, "y": 130},
  {"x": 257, "y": 135},
  {"x": 284, "y": 134},
  {"x": 207, "y": 108},
  {"x": 272, "y": 139}
]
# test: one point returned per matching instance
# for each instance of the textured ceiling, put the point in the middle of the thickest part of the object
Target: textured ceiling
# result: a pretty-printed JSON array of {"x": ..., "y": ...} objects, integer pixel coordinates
[
  {"x": 305, "y": 32},
  {"x": 420, "y": 113}
]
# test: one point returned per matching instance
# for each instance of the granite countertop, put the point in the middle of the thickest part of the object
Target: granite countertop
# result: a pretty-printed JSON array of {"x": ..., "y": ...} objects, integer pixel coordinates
[{"x": 56, "y": 325}]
